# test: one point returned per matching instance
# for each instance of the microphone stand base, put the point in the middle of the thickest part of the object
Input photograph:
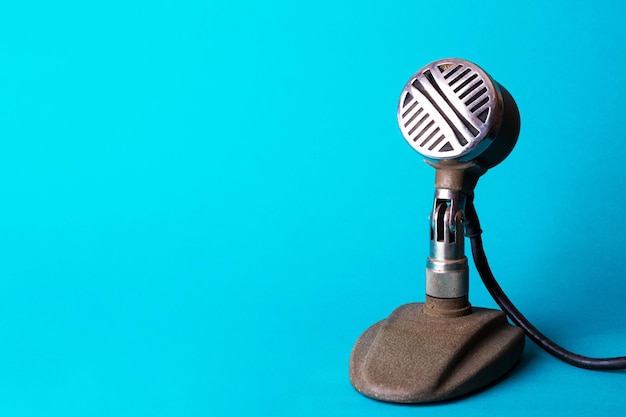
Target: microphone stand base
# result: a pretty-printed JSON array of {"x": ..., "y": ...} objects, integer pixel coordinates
[{"x": 411, "y": 357}]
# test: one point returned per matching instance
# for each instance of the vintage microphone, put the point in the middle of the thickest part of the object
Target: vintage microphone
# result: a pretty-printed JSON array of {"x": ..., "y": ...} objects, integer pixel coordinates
[{"x": 463, "y": 123}]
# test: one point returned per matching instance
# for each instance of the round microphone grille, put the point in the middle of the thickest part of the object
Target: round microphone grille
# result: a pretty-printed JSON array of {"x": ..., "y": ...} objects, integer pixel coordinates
[{"x": 450, "y": 109}]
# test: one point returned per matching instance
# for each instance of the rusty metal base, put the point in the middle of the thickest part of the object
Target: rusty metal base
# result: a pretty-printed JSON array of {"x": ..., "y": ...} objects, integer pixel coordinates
[{"x": 412, "y": 358}]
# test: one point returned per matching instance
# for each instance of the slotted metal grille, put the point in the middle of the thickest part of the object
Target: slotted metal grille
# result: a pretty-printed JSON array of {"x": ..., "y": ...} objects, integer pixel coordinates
[{"x": 447, "y": 108}]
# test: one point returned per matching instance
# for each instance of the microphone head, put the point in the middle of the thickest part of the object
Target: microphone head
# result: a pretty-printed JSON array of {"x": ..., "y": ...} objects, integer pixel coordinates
[{"x": 453, "y": 110}]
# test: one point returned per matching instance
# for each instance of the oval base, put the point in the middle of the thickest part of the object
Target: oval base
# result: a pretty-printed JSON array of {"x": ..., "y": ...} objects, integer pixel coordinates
[{"x": 413, "y": 358}]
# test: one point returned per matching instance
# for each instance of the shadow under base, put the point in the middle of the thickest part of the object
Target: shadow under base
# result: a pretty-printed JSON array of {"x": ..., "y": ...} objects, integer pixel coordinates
[{"x": 412, "y": 357}]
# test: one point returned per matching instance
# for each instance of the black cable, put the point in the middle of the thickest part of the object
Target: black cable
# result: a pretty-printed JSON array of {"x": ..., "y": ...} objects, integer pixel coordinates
[{"x": 473, "y": 231}]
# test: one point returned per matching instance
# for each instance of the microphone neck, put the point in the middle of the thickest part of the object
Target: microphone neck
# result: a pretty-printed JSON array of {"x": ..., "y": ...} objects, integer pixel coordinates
[
  {"x": 457, "y": 176},
  {"x": 447, "y": 271}
]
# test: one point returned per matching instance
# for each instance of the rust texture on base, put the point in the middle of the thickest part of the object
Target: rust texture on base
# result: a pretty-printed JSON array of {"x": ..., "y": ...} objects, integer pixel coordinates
[{"x": 412, "y": 357}]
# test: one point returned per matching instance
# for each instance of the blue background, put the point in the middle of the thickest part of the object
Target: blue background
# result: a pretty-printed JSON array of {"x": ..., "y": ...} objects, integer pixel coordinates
[{"x": 204, "y": 204}]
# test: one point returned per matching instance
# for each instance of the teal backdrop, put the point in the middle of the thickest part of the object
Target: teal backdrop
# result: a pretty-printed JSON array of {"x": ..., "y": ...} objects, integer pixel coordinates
[{"x": 204, "y": 204}]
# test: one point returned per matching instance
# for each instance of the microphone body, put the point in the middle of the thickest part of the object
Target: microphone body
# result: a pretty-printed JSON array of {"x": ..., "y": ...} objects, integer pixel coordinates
[{"x": 463, "y": 123}]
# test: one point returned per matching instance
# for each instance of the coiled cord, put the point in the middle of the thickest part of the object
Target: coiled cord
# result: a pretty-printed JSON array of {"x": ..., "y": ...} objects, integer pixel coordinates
[{"x": 473, "y": 231}]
